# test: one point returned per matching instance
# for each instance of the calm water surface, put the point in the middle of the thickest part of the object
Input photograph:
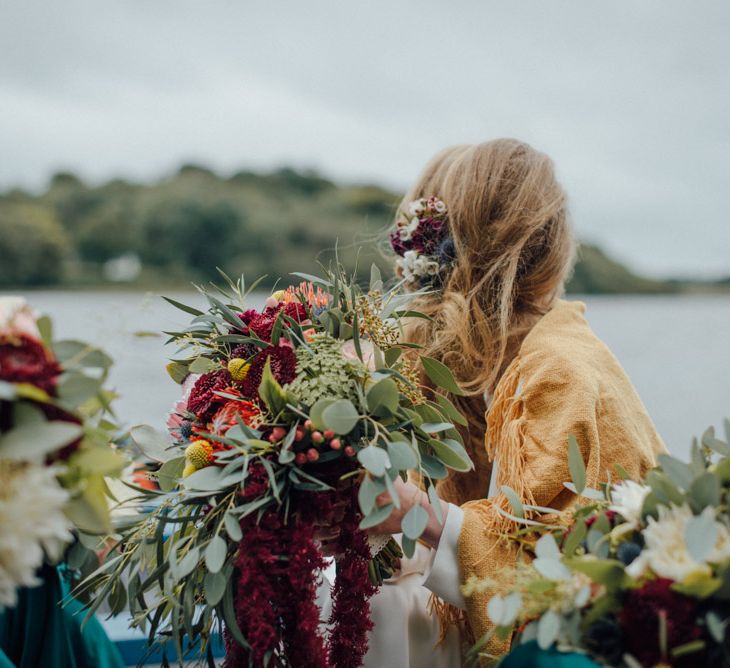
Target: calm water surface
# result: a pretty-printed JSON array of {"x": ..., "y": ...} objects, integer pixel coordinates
[{"x": 674, "y": 348}]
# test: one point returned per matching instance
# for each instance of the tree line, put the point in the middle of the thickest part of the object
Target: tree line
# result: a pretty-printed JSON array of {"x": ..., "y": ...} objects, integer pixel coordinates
[{"x": 181, "y": 228}]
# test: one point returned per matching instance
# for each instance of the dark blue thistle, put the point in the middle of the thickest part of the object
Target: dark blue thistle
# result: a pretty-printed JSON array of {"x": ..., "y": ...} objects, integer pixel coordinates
[
  {"x": 627, "y": 552},
  {"x": 446, "y": 252},
  {"x": 186, "y": 429}
]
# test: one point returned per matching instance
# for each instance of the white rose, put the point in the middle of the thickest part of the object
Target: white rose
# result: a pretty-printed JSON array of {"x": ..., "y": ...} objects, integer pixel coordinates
[
  {"x": 17, "y": 318},
  {"x": 366, "y": 348},
  {"x": 439, "y": 206}
]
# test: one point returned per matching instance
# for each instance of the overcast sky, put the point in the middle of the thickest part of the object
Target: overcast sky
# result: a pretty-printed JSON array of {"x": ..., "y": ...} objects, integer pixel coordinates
[{"x": 630, "y": 98}]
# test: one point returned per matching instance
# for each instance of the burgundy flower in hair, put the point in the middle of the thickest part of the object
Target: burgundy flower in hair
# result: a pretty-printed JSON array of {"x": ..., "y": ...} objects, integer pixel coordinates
[{"x": 422, "y": 240}]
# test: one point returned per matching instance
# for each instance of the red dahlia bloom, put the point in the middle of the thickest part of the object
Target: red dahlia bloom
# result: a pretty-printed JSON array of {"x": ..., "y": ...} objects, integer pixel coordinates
[
  {"x": 262, "y": 324},
  {"x": 283, "y": 366},
  {"x": 203, "y": 401},
  {"x": 640, "y": 619},
  {"x": 29, "y": 362}
]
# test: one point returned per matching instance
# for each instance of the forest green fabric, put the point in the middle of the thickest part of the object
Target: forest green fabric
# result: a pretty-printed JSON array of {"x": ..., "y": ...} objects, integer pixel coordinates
[{"x": 40, "y": 632}]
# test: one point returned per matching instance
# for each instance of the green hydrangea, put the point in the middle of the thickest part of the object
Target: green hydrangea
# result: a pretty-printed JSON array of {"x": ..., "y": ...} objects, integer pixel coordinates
[{"x": 323, "y": 372}]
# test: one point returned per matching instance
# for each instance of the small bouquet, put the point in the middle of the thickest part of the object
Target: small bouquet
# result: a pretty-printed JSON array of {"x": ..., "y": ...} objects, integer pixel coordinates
[
  {"x": 637, "y": 576},
  {"x": 299, "y": 414},
  {"x": 54, "y": 445}
]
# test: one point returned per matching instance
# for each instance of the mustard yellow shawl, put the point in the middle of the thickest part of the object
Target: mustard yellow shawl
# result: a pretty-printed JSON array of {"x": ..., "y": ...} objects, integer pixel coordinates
[{"x": 563, "y": 381}]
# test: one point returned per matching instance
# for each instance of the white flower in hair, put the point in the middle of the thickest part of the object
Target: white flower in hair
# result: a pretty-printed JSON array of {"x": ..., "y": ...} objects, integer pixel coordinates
[
  {"x": 408, "y": 265},
  {"x": 406, "y": 231},
  {"x": 439, "y": 206},
  {"x": 432, "y": 267},
  {"x": 416, "y": 207}
]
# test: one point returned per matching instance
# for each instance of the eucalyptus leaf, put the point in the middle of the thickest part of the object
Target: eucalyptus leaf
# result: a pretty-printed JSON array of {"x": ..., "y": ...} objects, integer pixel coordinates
[
  {"x": 576, "y": 465},
  {"x": 436, "y": 427},
  {"x": 414, "y": 522},
  {"x": 409, "y": 546},
  {"x": 402, "y": 456},
  {"x": 368, "y": 493},
  {"x": 433, "y": 467},
  {"x": 433, "y": 497},
  {"x": 450, "y": 411},
  {"x": 270, "y": 391},
  {"x": 214, "y": 586},
  {"x": 315, "y": 413},
  {"x": 202, "y": 365},
  {"x": 233, "y": 528},
  {"x": 154, "y": 444},
  {"x": 547, "y": 548},
  {"x": 452, "y": 454},
  {"x": 169, "y": 473},
  {"x": 514, "y": 501},
  {"x": 440, "y": 374},
  {"x": 76, "y": 388},
  {"x": 215, "y": 554},
  {"x": 186, "y": 565},
  {"x": 704, "y": 491},
  {"x": 377, "y": 516},
  {"x": 340, "y": 416},
  {"x": 700, "y": 534},
  {"x": 548, "y": 629},
  {"x": 374, "y": 459},
  {"x": 679, "y": 472},
  {"x": 383, "y": 398},
  {"x": 37, "y": 439}
]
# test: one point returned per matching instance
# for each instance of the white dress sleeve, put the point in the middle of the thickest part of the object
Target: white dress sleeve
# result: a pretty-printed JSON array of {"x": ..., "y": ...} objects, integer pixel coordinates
[{"x": 442, "y": 574}]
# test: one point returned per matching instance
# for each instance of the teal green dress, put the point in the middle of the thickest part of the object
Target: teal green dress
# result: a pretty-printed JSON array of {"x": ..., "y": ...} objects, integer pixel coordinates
[
  {"x": 530, "y": 655},
  {"x": 38, "y": 631}
]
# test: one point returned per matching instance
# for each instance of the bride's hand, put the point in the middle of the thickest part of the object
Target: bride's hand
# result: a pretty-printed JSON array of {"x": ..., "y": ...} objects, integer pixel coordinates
[{"x": 410, "y": 495}]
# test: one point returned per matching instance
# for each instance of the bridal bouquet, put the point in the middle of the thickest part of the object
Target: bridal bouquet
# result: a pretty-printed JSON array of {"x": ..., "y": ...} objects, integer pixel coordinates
[
  {"x": 54, "y": 445},
  {"x": 637, "y": 576},
  {"x": 293, "y": 416}
]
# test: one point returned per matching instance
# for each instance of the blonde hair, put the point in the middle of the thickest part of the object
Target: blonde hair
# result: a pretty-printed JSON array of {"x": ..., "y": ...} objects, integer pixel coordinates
[{"x": 514, "y": 251}]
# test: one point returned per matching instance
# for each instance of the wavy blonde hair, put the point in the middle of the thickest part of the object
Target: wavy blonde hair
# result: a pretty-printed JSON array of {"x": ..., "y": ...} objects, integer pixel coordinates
[{"x": 514, "y": 251}]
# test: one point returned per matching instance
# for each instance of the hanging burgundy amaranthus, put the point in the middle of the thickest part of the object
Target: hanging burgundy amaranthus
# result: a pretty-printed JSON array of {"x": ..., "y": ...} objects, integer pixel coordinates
[{"x": 278, "y": 567}]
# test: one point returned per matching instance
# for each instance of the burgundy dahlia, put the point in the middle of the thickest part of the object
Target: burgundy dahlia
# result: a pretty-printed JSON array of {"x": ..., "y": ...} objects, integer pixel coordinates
[
  {"x": 283, "y": 367},
  {"x": 203, "y": 401},
  {"x": 640, "y": 619},
  {"x": 29, "y": 362}
]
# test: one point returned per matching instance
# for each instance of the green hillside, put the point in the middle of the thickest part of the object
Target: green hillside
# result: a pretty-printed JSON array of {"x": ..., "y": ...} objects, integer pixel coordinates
[{"x": 177, "y": 230}]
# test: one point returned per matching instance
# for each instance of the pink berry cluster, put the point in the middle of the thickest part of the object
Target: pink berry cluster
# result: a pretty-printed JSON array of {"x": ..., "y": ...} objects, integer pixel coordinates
[{"x": 309, "y": 442}]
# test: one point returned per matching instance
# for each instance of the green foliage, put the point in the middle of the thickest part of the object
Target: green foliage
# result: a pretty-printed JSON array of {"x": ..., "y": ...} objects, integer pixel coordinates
[
  {"x": 184, "y": 226},
  {"x": 673, "y": 526},
  {"x": 33, "y": 245}
]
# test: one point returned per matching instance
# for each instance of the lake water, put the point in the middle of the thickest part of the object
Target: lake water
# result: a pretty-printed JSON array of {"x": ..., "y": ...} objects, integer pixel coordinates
[{"x": 674, "y": 348}]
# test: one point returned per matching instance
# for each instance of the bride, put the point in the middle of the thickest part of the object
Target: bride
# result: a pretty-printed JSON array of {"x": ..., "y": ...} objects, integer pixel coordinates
[{"x": 532, "y": 371}]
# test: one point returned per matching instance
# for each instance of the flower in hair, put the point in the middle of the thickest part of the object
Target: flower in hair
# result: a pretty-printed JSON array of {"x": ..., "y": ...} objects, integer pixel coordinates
[{"x": 423, "y": 241}]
